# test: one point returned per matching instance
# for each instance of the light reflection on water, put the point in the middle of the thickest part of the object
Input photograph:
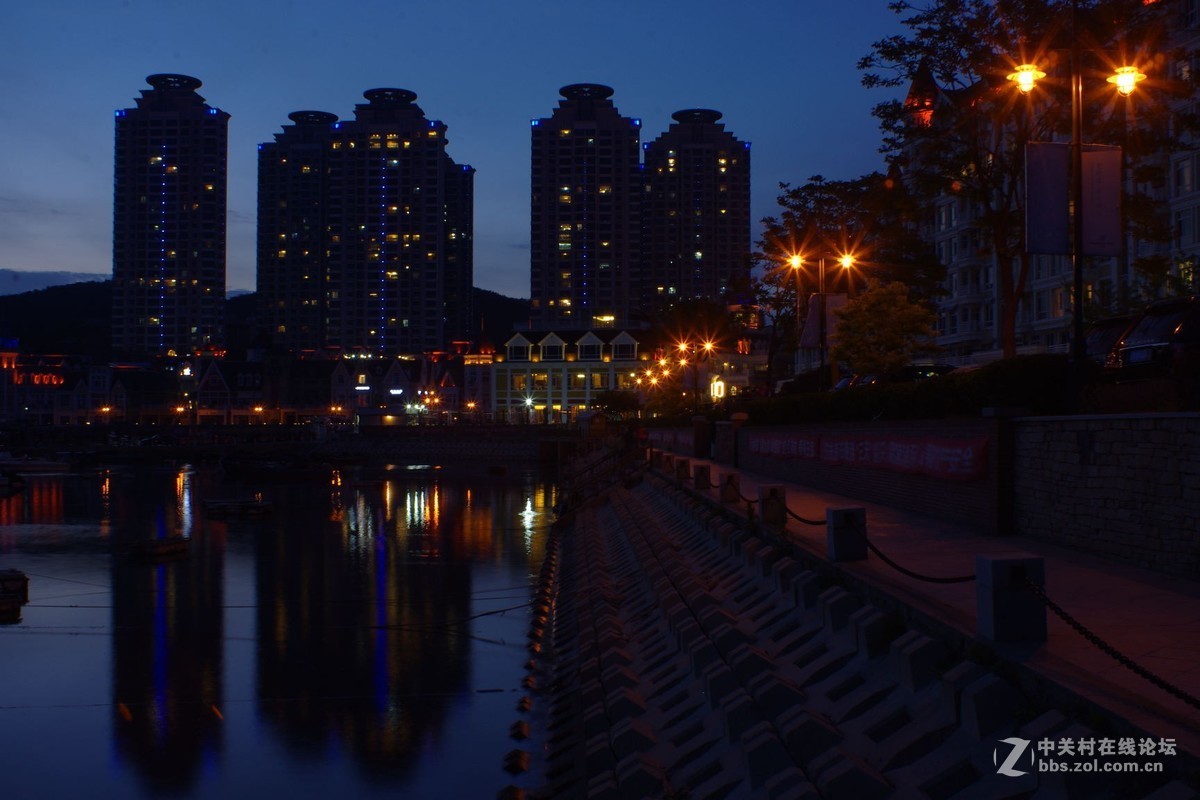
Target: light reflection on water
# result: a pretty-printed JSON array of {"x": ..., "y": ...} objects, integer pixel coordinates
[{"x": 341, "y": 644}]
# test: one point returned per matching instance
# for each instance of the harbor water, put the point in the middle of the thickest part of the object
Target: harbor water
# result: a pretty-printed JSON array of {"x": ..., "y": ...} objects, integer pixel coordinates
[{"x": 331, "y": 633}]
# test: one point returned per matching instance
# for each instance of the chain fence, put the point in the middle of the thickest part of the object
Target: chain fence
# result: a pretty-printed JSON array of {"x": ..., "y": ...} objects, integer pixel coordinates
[{"x": 1108, "y": 649}]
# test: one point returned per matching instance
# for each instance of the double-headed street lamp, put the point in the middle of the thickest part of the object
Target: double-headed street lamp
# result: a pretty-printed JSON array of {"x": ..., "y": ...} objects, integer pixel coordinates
[
  {"x": 1125, "y": 79},
  {"x": 796, "y": 262},
  {"x": 698, "y": 351}
]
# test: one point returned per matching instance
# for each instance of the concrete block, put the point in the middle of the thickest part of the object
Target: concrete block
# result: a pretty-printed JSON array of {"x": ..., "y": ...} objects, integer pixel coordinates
[
  {"x": 719, "y": 681},
  {"x": 806, "y": 590},
  {"x": 631, "y": 736},
  {"x": 639, "y": 776},
  {"x": 622, "y": 703},
  {"x": 806, "y": 735},
  {"x": 846, "y": 533},
  {"x": 791, "y": 785},
  {"x": 917, "y": 658},
  {"x": 836, "y": 607},
  {"x": 955, "y": 680},
  {"x": 1008, "y": 610},
  {"x": 702, "y": 477},
  {"x": 765, "y": 755},
  {"x": 872, "y": 631},
  {"x": 683, "y": 470},
  {"x": 987, "y": 706},
  {"x": 598, "y": 754},
  {"x": 748, "y": 662},
  {"x": 847, "y": 776},
  {"x": 775, "y": 694},
  {"x": 738, "y": 714}
]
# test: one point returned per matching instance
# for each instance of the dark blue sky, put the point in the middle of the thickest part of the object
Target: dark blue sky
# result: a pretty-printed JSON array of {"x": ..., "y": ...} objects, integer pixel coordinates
[{"x": 782, "y": 72}]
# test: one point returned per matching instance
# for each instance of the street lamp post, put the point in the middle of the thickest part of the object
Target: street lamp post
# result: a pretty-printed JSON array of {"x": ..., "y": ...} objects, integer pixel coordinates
[
  {"x": 846, "y": 261},
  {"x": 699, "y": 352},
  {"x": 1125, "y": 79}
]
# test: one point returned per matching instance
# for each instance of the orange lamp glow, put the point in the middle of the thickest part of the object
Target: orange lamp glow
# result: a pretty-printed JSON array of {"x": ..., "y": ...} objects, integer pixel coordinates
[
  {"x": 1026, "y": 76},
  {"x": 1126, "y": 79}
]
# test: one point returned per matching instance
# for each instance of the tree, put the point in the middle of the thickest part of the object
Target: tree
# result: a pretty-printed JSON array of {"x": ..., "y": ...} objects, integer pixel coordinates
[
  {"x": 617, "y": 403},
  {"x": 881, "y": 330},
  {"x": 871, "y": 218},
  {"x": 962, "y": 129}
]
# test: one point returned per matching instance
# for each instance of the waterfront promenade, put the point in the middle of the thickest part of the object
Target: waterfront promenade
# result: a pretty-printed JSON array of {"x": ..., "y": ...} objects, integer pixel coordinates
[{"x": 702, "y": 651}]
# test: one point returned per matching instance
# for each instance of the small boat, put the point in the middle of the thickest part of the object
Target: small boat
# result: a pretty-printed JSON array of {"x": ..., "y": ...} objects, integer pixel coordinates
[
  {"x": 237, "y": 509},
  {"x": 161, "y": 549}
]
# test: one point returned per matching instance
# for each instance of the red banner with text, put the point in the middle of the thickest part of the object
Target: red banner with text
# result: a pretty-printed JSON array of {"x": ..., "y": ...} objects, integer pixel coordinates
[{"x": 939, "y": 457}]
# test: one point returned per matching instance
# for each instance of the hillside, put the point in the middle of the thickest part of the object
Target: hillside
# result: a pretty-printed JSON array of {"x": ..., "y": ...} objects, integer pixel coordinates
[
  {"x": 75, "y": 318},
  {"x": 71, "y": 319}
]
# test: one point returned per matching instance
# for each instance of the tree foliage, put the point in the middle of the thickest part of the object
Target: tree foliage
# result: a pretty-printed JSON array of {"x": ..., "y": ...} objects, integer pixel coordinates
[
  {"x": 962, "y": 129},
  {"x": 871, "y": 218},
  {"x": 881, "y": 330}
]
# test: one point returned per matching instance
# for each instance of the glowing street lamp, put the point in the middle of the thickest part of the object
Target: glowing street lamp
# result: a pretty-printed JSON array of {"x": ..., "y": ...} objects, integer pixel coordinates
[
  {"x": 846, "y": 261},
  {"x": 1125, "y": 79}
]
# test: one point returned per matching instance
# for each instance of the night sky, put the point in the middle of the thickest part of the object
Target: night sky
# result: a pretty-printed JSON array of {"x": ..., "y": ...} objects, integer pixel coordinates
[{"x": 783, "y": 73}]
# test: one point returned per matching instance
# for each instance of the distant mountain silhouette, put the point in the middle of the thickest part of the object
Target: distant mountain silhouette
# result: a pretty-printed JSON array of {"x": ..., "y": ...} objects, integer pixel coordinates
[
  {"x": 76, "y": 318},
  {"x": 16, "y": 282}
]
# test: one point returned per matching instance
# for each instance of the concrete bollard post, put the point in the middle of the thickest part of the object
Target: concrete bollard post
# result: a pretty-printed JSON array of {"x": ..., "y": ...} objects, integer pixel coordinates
[
  {"x": 846, "y": 533},
  {"x": 1008, "y": 610},
  {"x": 683, "y": 470},
  {"x": 668, "y": 463},
  {"x": 701, "y": 475},
  {"x": 772, "y": 505},
  {"x": 731, "y": 488}
]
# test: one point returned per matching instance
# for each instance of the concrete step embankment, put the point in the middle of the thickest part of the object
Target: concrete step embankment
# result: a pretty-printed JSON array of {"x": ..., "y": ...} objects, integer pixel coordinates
[{"x": 687, "y": 657}]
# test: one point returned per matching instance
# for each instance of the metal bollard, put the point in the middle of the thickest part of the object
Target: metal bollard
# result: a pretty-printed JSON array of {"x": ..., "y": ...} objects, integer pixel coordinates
[
  {"x": 772, "y": 505},
  {"x": 731, "y": 488},
  {"x": 1008, "y": 610},
  {"x": 683, "y": 470},
  {"x": 846, "y": 533}
]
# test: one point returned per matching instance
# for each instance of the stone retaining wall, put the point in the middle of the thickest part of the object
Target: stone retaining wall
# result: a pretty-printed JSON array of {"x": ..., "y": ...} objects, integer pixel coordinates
[
  {"x": 691, "y": 658},
  {"x": 1124, "y": 486},
  {"x": 975, "y": 500}
]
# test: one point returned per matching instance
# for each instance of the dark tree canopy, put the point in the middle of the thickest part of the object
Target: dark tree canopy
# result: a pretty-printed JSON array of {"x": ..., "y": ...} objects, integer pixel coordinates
[{"x": 963, "y": 126}]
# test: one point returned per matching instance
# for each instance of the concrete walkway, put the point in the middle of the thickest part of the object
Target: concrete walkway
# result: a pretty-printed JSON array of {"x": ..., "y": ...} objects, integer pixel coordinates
[{"x": 1151, "y": 618}]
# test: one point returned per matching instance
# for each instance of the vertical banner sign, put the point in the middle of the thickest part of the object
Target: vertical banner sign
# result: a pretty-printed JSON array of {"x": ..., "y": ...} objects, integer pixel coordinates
[
  {"x": 1102, "y": 231},
  {"x": 1047, "y": 198}
]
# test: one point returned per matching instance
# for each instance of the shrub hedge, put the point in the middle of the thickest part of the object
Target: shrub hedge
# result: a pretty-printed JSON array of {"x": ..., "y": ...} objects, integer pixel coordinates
[{"x": 1039, "y": 384}]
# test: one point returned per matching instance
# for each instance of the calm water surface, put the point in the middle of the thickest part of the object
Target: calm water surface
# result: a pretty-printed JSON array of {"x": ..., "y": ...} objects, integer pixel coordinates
[{"x": 366, "y": 639}]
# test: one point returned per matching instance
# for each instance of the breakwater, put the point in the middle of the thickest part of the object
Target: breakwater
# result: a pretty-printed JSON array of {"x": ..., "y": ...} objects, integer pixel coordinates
[{"x": 692, "y": 657}]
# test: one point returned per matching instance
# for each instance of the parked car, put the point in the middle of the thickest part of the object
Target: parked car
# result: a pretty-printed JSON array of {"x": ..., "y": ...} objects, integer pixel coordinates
[
  {"x": 1102, "y": 338},
  {"x": 1165, "y": 341},
  {"x": 909, "y": 374}
]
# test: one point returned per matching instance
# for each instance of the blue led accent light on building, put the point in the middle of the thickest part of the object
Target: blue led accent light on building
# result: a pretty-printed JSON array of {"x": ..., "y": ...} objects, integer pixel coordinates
[
  {"x": 637, "y": 123},
  {"x": 535, "y": 122}
]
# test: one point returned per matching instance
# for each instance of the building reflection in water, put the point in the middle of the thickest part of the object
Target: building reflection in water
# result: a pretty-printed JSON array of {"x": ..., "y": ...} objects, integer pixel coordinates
[
  {"x": 361, "y": 622},
  {"x": 367, "y": 595},
  {"x": 167, "y": 633},
  {"x": 364, "y": 620}
]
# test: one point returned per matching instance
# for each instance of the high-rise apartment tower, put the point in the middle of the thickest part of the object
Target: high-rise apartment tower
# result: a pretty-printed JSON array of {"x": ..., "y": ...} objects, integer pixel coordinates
[
  {"x": 169, "y": 221},
  {"x": 365, "y": 231},
  {"x": 584, "y": 230},
  {"x": 695, "y": 212}
]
